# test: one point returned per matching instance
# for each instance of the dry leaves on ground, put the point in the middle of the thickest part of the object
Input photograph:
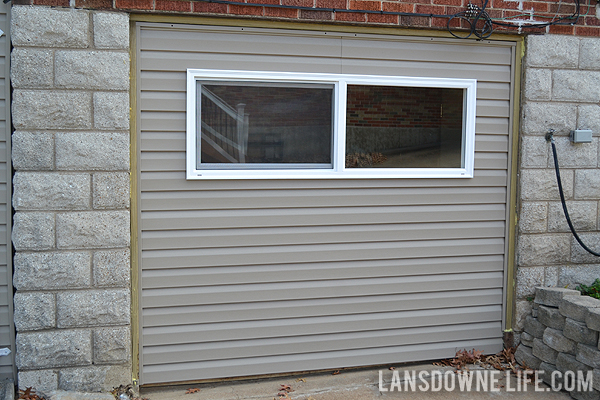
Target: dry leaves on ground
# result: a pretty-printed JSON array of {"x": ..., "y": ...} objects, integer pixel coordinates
[
  {"x": 29, "y": 394},
  {"x": 502, "y": 361},
  {"x": 192, "y": 390},
  {"x": 284, "y": 392}
]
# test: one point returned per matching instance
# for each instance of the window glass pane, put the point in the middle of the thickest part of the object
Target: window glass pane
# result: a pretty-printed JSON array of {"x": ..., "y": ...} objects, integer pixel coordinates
[
  {"x": 256, "y": 125},
  {"x": 404, "y": 127}
]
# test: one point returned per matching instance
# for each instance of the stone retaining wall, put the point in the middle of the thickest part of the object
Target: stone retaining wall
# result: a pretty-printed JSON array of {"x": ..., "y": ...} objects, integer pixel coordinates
[
  {"x": 70, "y": 74},
  {"x": 561, "y": 334}
]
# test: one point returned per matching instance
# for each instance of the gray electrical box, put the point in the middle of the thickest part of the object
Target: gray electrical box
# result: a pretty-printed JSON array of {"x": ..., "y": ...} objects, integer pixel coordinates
[{"x": 581, "y": 136}]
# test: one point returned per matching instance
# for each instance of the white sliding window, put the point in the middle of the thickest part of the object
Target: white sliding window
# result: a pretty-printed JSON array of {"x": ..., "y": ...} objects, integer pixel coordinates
[{"x": 263, "y": 125}]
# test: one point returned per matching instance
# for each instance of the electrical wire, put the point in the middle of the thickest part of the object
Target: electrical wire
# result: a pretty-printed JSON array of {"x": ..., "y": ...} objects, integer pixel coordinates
[
  {"x": 550, "y": 138},
  {"x": 476, "y": 20}
]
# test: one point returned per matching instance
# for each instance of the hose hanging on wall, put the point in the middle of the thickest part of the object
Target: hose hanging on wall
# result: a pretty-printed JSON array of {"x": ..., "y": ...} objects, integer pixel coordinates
[{"x": 550, "y": 138}]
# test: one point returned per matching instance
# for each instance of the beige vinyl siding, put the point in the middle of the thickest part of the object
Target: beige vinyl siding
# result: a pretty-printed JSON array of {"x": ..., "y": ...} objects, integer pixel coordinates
[
  {"x": 250, "y": 277},
  {"x": 7, "y": 335}
]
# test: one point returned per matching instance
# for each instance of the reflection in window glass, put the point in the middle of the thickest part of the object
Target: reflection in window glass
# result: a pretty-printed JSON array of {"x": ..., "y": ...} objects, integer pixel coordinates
[
  {"x": 262, "y": 123},
  {"x": 404, "y": 127}
]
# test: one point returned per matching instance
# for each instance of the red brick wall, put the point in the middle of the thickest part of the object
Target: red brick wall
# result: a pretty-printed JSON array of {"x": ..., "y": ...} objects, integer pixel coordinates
[{"x": 366, "y": 12}]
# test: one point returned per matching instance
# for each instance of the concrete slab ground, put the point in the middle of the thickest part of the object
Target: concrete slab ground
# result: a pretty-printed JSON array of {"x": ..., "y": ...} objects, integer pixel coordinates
[{"x": 364, "y": 385}]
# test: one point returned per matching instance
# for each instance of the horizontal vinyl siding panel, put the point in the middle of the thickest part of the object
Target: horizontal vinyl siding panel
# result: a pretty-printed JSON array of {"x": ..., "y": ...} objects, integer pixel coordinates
[
  {"x": 239, "y": 41},
  {"x": 250, "y": 277},
  {"x": 161, "y": 240},
  {"x": 254, "y": 292},
  {"x": 174, "y": 61},
  {"x": 207, "y": 276},
  {"x": 314, "y": 198},
  {"x": 409, "y": 49},
  {"x": 320, "y": 253},
  {"x": 278, "y": 217},
  {"x": 190, "y": 352},
  {"x": 247, "y": 330},
  {"x": 167, "y": 181},
  {"x": 199, "y": 314},
  {"x": 328, "y": 360}
]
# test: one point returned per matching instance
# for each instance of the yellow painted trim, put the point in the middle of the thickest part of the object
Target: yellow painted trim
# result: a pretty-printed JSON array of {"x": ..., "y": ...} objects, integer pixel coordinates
[
  {"x": 227, "y": 20},
  {"x": 513, "y": 200},
  {"x": 134, "y": 198}
]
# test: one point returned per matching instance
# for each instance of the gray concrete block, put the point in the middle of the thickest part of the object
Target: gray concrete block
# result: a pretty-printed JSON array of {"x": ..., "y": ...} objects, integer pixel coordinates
[
  {"x": 51, "y": 191},
  {"x": 589, "y": 53},
  {"x": 111, "y": 190},
  {"x": 543, "y": 250},
  {"x": 574, "y": 155},
  {"x": 539, "y": 117},
  {"x": 527, "y": 339},
  {"x": 112, "y": 268},
  {"x": 555, "y": 339},
  {"x": 551, "y": 317},
  {"x": 579, "y": 332},
  {"x": 93, "y": 308},
  {"x": 95, "y": 229},
  {"x": 578, "y": 274},
  {"x": 555, "y": 51},
  {"x": 588, "y": 355},
  {"x": 43, "y": 380},
  {"x": 587, "y": 184},
  {"x": 533, "y": 217},
  {"x": 540, "y": 184},
  {"x": 522, "y": 310},
  {"x": 92, "y": 151},
  {"x": 567, "y": 362},
  {"x": 92, "y": 379},
  {"x": 33, "y": 231},
  {"x": 111, "y": 110},
  {"x": 583, "y": 215},
  {"x": 34, "y": 311},
  {"x": 577, "y": 307},
  {"x": 31, "y": 68},
  {"x": 579, "y": 254},
  {"x": 551, "y": 276},
  {"x": 538, "y": 84},
  {"x": 112, "y": 345},
  {"x": 524, "y": 356},
  {"x": 580, "y": 86},
  {"x": 51, "y": 109},
  {"x": 32, "y": 151},
  {"x": 49, "y": 27},
  {"x": 588, "y": 117},
  {"x": 544, "y": 352},
  {"x": 527, "y": 280},
  {"x": 534, "y": 327},
  {"x": 552, "y": 296},
  {"x": 111, "y": 30},
  {"x": 51, "y": 349},
  {"x": 534, "y": 152},
  {"x": 52, "y": 270},
  {"x": 88, "y": 69}
]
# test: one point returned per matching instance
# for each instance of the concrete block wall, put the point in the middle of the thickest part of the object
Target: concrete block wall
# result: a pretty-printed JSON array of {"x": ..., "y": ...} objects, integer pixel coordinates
[
  {"x": 561, "y": 91},
  {"x": 70, "y": 74},
  {"x": 561, "y": 334}
]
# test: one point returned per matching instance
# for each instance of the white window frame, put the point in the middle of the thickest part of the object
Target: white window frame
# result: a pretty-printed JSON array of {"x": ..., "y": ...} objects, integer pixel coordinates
[{"x": 340, "y": 83}]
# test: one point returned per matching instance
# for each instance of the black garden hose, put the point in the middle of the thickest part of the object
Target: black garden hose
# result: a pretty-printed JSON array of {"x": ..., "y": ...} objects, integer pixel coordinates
[{"x": 550, "y": 138}]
